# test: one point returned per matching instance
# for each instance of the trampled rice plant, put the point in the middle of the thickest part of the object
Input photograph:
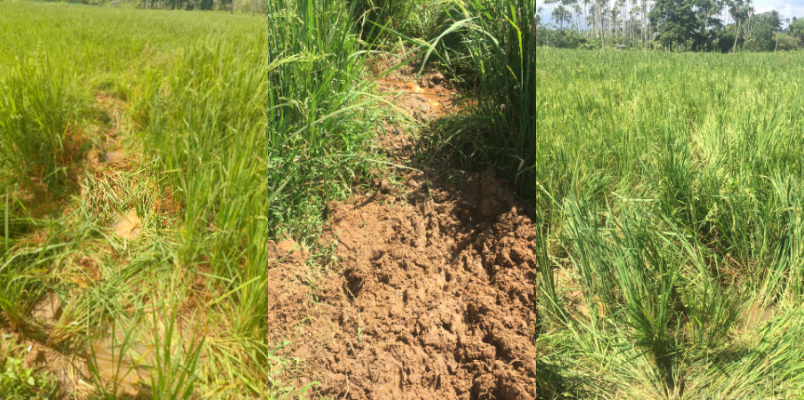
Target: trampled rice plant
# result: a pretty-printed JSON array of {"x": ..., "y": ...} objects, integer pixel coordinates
[
  {"x": 667, "y": 186},
  {"x": 242, "y": 128}
]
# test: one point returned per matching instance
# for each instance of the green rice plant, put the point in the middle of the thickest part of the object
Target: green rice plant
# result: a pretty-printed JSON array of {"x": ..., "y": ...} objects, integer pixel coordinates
[
  {"x": 169, "y": 364},
  {"x": 383, "y": 13},
  {"x": 783, "y": 276},
  {"x": 110, "y": 362},
  {"x": 279, "y": 109},
  {"x": 175, "y": 365},
  {"x": 668, "y": 184},
  {"x": 712, "y": 311},
  {"x": 766, "y": 364},
  {"x": 388, "y": 24},
  {"x": 257, "y": 135},
  {"x": 645, "y": 282},
  {"x": 501, "y": 50},
  {"x": 641, "y": 272},
  {"x": 23, "y": 278},
  {"x": 35, "y": 127}
]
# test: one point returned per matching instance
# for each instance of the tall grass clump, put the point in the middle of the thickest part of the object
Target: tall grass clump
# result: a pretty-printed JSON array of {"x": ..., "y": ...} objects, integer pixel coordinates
[
  {"x": 257, "y": 133},
  {"x": 374, "y": 15},
  {"x": 41, "y": 137},
  {"x": 500, "y": 48},
  {"x": 35, "y": 127},
  {"x": 387, "y": 23}
]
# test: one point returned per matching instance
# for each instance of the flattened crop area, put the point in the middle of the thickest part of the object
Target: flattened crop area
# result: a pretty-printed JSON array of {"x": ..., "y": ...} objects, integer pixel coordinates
[{"x": 433, "y": 295}]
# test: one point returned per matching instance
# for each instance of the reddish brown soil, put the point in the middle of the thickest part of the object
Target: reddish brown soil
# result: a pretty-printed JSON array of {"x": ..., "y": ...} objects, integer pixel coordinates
[
  {"x": 432, "y": 297},
  {"x": 421, "y": 100}
]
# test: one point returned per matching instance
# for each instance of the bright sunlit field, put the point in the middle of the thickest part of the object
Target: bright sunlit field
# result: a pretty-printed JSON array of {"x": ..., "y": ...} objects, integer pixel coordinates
[{"x": 156, "y": 165}]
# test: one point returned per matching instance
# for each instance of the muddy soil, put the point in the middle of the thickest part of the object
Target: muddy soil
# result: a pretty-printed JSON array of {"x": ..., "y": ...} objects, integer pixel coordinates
[{"x": 433, "y": 296}]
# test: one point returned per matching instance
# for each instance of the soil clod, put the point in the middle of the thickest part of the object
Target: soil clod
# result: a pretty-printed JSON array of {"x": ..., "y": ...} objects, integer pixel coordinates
[{"x": 433, "y": 295}]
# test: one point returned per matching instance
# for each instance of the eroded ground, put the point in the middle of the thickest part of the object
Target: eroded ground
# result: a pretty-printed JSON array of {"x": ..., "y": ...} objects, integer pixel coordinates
[{"x": 433, "y": 295}]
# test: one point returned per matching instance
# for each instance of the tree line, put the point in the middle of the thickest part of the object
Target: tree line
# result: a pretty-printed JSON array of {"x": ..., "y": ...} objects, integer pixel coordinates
[{"x": 671, "y": 25}]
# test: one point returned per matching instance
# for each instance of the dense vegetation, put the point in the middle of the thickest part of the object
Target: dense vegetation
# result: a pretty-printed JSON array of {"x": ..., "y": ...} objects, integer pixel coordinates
[
  {"x": 247, "y": 128},
  {"x": 667, "y": 187},
  {"x": 673, "y": 25},
  {"x": 672, "y": 188}
]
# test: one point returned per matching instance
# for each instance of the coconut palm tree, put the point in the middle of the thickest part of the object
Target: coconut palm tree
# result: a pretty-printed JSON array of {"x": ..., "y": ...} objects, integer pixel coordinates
[
  {"x": 576, "y": 9},
  {"x": 561, "y": 14},
  {"x": 739, "y": 10},
  {"x": 586, "y": 4}
]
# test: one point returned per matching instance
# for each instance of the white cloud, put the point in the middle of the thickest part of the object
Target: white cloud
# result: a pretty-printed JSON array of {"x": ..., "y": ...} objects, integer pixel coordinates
[{"x": 787, "y": 8}]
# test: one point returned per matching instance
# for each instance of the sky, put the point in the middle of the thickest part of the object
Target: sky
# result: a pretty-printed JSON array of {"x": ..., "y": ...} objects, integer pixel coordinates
[{"x": 787, "y": 9}]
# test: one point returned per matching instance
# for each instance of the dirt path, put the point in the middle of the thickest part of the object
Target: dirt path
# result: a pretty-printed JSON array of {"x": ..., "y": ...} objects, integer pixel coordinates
[
  {"x": 433, "y": 296},
  {"x": 49, "y": 342}
]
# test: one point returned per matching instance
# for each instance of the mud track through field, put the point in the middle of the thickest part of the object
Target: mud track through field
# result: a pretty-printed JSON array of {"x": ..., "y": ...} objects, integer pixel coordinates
[{"x": 433, "y": 296}]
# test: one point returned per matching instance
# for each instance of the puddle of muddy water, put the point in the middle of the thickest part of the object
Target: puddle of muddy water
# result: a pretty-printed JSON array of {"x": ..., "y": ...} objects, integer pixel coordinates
[
  {"x": 114, "y": 156},
  {"x": 757, "y": 315},
  {"x": 123, "y": 368},
  {"x": 38, "y": 199},
  {"x": 128, "y": 225},
  {"x": 48, "y": 310}
]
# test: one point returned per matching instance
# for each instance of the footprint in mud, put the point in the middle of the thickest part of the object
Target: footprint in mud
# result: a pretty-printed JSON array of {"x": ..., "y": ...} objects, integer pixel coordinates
[
  {"x": 48, "y": 310},
  {"x": 128, "y": 225},
  {"x": 114, "y": 156},
  {"x": 756, "y": 315}
]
